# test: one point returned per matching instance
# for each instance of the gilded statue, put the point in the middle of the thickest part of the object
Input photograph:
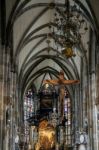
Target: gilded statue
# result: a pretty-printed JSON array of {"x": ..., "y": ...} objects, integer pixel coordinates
[{"x": 46, "y": 139}]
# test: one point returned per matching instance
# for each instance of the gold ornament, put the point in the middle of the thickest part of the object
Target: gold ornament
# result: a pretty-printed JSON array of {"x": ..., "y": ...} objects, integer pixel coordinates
[{"x": 68, "y": 52}]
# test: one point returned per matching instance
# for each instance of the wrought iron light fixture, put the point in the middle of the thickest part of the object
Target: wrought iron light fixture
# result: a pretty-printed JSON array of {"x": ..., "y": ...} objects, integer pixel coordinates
[{"x": 70, "y": 25}]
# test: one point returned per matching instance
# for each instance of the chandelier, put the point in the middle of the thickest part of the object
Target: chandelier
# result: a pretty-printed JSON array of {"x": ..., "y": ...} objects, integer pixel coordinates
[{"x": 69, "y": 27}]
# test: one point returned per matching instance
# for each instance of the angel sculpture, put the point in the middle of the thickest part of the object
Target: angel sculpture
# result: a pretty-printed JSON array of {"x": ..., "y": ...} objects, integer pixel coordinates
[{"x": 62, "y": 82}]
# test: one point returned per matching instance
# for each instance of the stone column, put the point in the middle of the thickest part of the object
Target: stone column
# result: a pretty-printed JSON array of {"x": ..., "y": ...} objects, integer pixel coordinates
[
  {"x": 97, "y": 101},
  {"x": 14, "y": 111},
  {"x": 85, "y": 94},
  {"x": 92, "y": 91},
  {"x": 1, "y": 95},
  {"x": 92, "y": 121},
  {"x": 97, "y": 77},
  {"x": 4, "y": 96},
  {"x": 6, "y": 90},
  {"x": 76, "y": 118},
  {"x": 7, "y": 101}
]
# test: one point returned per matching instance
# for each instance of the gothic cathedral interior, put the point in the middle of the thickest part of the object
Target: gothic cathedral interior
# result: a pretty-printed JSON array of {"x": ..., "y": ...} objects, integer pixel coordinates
[{"x": 49, "y": 75}]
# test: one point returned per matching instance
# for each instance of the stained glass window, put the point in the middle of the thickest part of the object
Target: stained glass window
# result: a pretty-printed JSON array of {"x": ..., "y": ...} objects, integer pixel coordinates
[
  {"x": 65, "y": 128},
  {"x": 68, "y": 116},
  {"x": 28, "y": 111},
  {"x": 28, "y": 105}
]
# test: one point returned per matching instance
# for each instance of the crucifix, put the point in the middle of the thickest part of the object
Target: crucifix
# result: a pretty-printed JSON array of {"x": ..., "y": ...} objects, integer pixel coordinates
[{"x": 62, "y": 82}]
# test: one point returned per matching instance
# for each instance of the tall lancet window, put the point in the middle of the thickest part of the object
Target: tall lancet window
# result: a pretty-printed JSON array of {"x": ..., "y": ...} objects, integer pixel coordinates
[
  {"x": 28, "y": 111},
  {"x": 28, "y": 105},
  {"x": 65, "y": 128},
  {"x": 68, "y": 116}
]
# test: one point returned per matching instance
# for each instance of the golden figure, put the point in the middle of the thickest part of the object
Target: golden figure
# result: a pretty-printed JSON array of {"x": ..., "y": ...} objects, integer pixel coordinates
[
  {"x": 46, "y": 138},
  {"x": 61, "y": 81}
]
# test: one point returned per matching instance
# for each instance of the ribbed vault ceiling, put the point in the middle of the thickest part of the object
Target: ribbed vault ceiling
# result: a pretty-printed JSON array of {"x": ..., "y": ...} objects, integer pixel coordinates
[{"x": 30, "y": 21}]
